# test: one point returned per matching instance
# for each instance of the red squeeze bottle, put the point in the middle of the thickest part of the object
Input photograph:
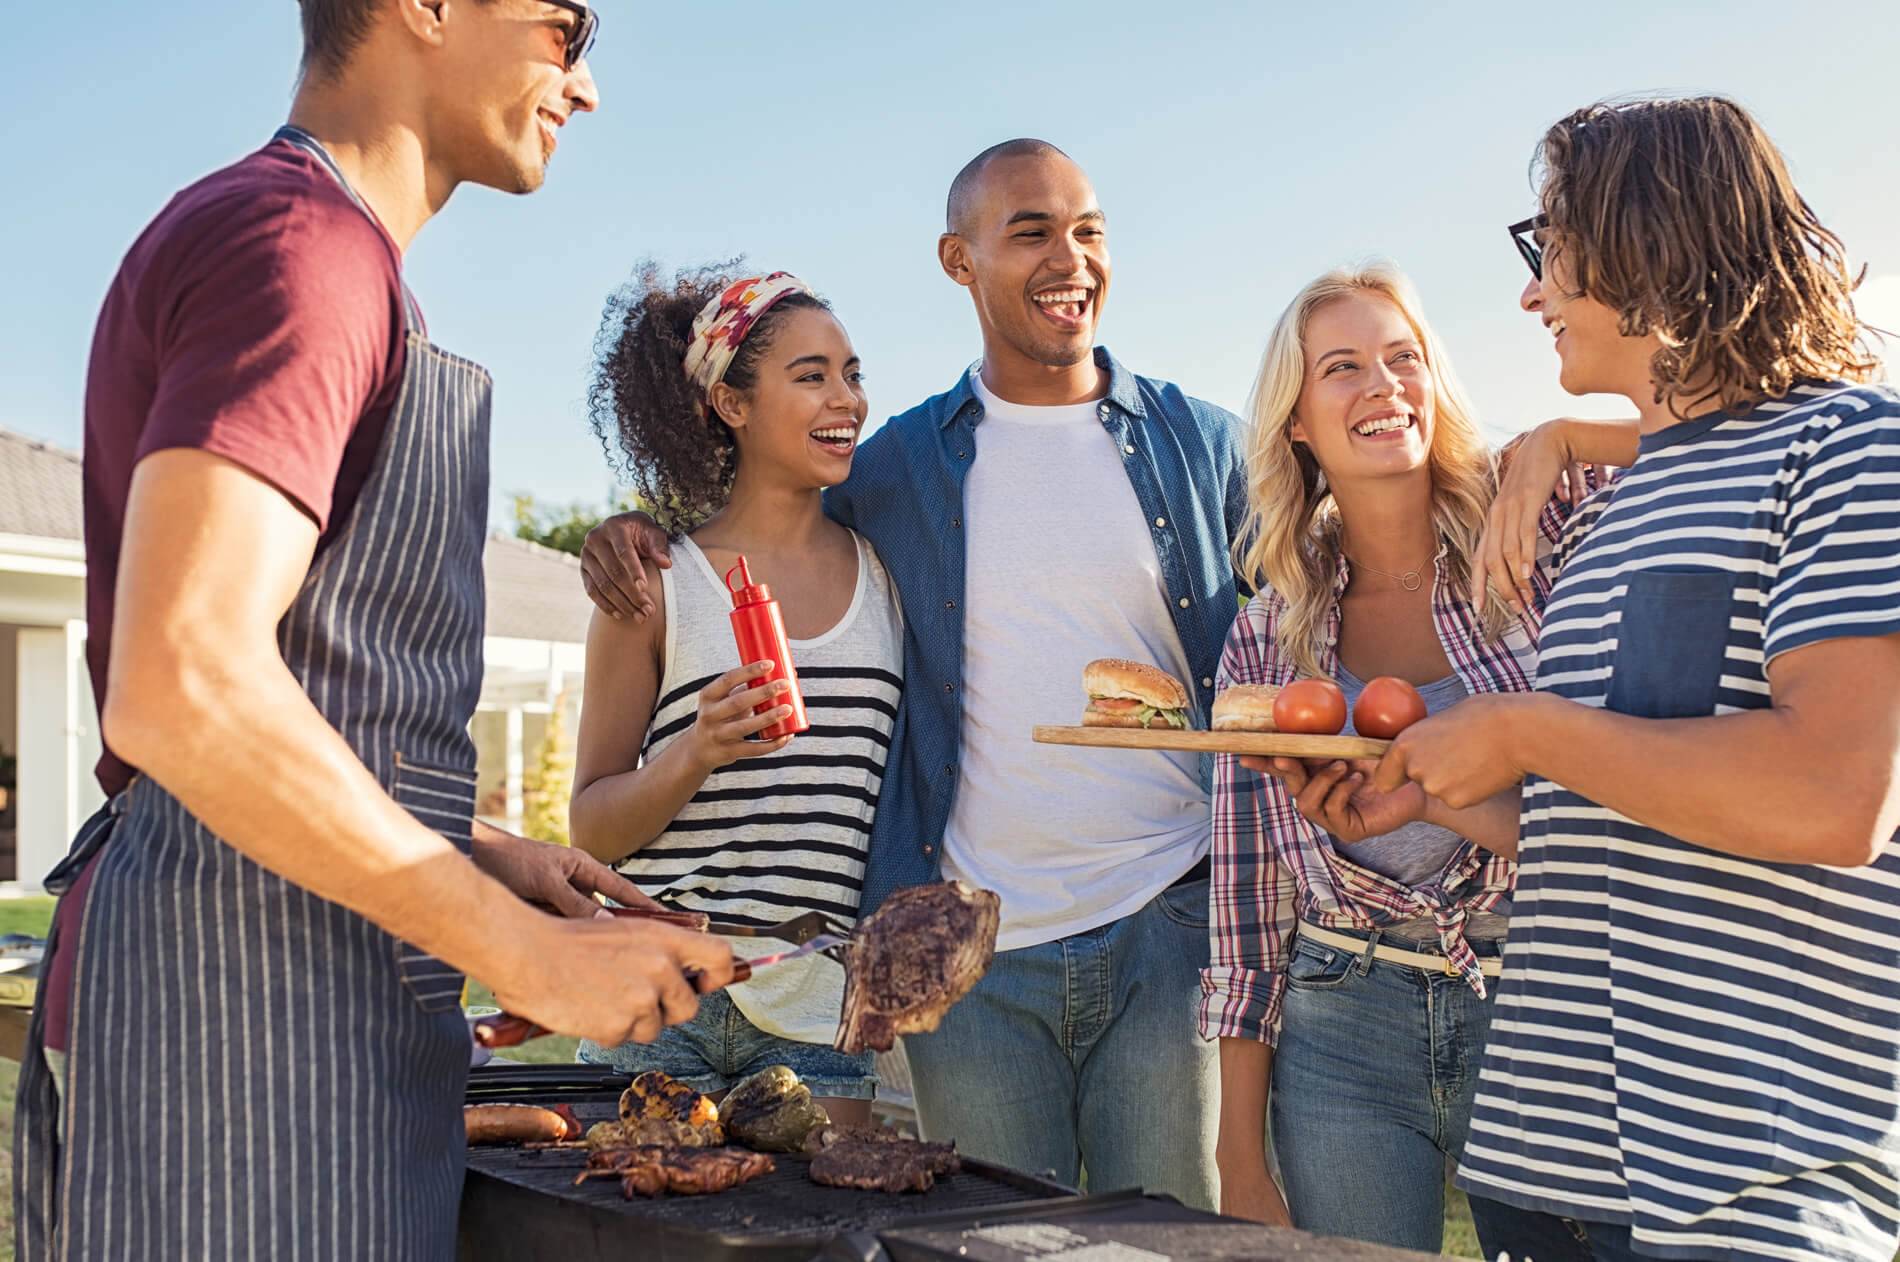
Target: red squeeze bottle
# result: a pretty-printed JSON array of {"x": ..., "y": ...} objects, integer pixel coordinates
[{"x": 760, "y": 630}]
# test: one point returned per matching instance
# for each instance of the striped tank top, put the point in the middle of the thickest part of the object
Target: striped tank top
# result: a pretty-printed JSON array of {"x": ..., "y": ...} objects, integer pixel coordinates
[{"x": 771, "y": 837}]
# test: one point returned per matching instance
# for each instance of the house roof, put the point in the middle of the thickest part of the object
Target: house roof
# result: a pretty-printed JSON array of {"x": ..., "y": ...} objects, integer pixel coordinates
[
  {"x": 534, "y": 593},
  {"x": 39, "y": 489}
]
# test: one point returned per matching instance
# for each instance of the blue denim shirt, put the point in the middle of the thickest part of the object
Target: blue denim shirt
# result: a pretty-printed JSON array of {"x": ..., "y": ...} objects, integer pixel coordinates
[{"x": 905, "y": 495}]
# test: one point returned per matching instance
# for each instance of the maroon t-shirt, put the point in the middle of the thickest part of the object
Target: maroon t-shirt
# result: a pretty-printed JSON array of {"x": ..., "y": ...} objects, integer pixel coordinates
[{"x": 259, "y": 317}]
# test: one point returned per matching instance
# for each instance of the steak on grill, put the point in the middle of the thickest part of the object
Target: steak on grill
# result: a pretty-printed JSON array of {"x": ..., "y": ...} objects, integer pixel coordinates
[
  {"x": 905, "y": 965},
  {"x": 831, "y": 1133},
  {"x": 652, "y": 1169},
  {"x": 907, "y": 1165}
]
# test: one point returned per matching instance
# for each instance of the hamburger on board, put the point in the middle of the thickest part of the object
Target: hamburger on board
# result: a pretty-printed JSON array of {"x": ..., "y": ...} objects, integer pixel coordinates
[{"x": 1131, "y": 694}]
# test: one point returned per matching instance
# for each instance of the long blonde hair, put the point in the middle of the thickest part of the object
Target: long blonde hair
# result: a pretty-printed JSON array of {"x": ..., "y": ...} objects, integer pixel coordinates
[{"x": 1291, "y": 541}]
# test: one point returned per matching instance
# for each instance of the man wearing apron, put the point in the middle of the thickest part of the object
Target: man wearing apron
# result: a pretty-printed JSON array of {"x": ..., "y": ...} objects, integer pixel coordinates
[{"x": 249, "y": 1043}]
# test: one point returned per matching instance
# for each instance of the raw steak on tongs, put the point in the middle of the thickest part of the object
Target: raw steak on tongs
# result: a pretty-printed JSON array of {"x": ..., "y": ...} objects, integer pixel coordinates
[{"x": 904, "y": 967}]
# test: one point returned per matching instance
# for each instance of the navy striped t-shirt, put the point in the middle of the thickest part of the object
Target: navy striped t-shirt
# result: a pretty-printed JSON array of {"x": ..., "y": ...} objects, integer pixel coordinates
[{"x": 1703, "y": 1047}]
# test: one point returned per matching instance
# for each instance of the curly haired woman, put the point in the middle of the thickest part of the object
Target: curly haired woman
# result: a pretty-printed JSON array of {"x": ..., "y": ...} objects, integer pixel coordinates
[{"x": 734, "y": 401}]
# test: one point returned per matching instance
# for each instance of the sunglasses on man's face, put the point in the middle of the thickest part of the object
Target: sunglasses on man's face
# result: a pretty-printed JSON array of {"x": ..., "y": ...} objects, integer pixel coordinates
[
  {"x": 580, "y": 37},
  {"x": 1523, "y": 235}
]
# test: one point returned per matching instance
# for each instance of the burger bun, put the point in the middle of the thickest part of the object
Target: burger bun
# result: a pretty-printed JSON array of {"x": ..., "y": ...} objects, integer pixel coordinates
[
  {"x": 1117, "y": 677},
  {"x": 1246, "y": 708}
]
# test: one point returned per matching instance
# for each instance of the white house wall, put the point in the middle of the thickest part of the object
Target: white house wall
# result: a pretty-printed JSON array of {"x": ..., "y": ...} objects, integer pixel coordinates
[
  {"x": 61, "y": 745},
  {"x": 9, "y": 692}
]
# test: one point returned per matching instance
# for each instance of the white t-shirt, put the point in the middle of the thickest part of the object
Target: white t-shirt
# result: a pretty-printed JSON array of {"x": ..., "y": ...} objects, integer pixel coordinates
[{"x": 1062, "y": 571}]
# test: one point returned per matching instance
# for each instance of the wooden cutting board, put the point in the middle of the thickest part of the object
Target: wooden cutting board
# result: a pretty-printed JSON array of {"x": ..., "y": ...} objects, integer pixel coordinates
[{"x": 1264, "y": 744}]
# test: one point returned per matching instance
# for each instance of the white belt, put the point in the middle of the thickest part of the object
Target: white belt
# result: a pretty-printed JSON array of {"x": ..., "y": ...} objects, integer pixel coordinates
[{"x": 1392, "y": 953}]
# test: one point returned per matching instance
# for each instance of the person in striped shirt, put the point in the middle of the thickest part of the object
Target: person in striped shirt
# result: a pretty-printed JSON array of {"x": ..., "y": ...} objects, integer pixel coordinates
[
  {"x": 1353, "y": 934},
  {"x": 1695, "y": 1051},
  {"x": 734, "y": 401}
]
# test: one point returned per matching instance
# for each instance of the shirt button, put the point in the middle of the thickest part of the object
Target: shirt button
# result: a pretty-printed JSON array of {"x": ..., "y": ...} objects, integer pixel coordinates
[
  {"x": 1161, "y": 521},
  {"x": 1184, "y": 602},
  {"x": 1130, "y": 449},
  {"x": 930, "y": 850},
  {"x": 949, "y": 769},
  {"x": 949, "y": 604},
  {"x": 1207, "y": 683},
  {"x": 950, "y": 688},
  {"x": 960, "y": 455},
  {"x": 956, "y": 523}
]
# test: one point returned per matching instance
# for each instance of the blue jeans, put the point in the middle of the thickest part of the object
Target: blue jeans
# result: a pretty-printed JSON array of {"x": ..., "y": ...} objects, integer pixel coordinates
[
  {"x": 1083, "y": 1054},
  {"x": 718, "y": 1049},
  {"x": 1373, "y": 1079},
  {"x": 1530, "y": 1236}
]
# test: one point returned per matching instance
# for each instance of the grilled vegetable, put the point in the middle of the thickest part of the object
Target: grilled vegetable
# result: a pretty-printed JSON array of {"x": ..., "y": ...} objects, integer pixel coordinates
[
  {"x": 659, "y": 1109},
  {"x": 657, "y": 1095},
  {"x": 772, "y": 1111}
]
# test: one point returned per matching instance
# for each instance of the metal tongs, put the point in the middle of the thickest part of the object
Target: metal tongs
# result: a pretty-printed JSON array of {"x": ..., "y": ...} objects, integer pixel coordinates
[{"x": 813, "y": 933}]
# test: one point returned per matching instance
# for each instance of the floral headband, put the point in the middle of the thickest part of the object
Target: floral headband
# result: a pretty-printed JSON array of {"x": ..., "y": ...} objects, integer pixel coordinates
[{"x": 721, "y": 326}]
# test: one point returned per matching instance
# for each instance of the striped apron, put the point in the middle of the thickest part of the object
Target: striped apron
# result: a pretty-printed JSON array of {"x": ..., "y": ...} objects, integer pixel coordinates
[{"x": 255, "y": 1072}]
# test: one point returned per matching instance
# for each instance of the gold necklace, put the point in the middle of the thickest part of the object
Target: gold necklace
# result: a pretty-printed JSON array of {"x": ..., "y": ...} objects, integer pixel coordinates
[{"x": 1411, "y": 580}]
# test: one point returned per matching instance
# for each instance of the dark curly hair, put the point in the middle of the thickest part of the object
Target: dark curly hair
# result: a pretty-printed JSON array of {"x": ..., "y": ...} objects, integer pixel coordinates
[
  {"x": 644, "y": 408},
  {"x": 1680, "y": 215}
]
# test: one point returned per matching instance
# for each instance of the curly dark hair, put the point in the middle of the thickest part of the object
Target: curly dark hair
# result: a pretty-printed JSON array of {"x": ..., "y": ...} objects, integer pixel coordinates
[
  {"x": 1680, "y": 214},
  {"x": 644, "y": 408}
]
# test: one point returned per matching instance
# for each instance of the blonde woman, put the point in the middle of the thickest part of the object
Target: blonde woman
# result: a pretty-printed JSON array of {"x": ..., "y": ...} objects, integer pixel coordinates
[{"x": 1356, "y": 936}]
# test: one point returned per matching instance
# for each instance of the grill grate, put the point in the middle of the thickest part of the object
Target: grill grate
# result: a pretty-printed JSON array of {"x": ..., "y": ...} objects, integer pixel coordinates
[{"x": 513, "y": 1198}]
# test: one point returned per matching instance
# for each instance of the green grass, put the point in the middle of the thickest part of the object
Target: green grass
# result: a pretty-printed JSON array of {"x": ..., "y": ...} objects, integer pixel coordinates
[
  {"x": 1461, "y": 1239},
  {"x": 9, "y": 1078},
  {"x": 27, "y": 915},
  {"x": 548, "y": 1051}
]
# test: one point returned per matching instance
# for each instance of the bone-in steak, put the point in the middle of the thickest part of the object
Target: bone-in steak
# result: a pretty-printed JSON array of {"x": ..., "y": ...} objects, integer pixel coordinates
[
  {"x": 908, "y": 1165},
  {"x": 904, "y": 966}
]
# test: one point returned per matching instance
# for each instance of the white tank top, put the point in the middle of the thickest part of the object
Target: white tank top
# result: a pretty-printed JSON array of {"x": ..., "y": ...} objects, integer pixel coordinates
[{"x": 768, "y": 838}]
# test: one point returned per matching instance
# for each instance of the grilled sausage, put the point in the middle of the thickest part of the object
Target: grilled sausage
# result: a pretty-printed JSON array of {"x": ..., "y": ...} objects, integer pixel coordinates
[{"x": 517, "y": 1124}]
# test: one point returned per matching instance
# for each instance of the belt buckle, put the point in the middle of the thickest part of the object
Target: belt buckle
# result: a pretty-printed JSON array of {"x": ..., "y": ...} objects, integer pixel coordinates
[{"x": 1451, "y": 969}]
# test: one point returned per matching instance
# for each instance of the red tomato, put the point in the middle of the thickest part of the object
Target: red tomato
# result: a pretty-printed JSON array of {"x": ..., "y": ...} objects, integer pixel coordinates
[
  {"x": 1387, "y": 707},
  {"x": 1312, "y": 707}
]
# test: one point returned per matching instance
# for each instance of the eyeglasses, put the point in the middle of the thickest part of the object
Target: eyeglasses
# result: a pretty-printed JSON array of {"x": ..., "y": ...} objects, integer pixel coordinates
[
  {"x": 1522, "y": 237},
  {"x": 580, "y": 38}
]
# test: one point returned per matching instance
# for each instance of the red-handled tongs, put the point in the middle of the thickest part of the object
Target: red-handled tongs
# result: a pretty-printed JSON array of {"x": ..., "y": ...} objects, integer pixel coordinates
[{"x": 508, "y": 1030}]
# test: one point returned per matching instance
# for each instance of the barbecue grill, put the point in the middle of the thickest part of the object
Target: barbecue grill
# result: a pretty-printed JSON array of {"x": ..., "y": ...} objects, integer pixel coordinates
[{"x": 522, "y": 1205}]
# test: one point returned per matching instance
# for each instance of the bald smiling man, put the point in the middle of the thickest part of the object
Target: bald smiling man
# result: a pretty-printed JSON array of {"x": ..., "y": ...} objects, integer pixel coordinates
[{"x": 1097, "y": 523}]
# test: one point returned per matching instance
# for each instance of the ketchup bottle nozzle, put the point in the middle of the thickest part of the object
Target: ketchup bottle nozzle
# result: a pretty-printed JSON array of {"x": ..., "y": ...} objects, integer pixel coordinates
[{"x": 745, "y": 581}]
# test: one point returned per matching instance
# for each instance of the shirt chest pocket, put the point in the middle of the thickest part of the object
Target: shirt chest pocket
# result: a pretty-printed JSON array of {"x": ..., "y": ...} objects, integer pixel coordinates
[{"x": 1671, "y": 642}]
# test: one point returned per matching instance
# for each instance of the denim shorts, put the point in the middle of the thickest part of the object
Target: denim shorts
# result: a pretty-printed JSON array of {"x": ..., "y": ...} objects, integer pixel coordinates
[{"x": 719, "y": 1049}]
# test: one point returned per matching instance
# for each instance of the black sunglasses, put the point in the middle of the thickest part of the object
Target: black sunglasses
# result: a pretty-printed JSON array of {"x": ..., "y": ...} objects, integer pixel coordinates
[
  {"x": 1526, "y": 243},
  {"x": 580, "y": 38}
]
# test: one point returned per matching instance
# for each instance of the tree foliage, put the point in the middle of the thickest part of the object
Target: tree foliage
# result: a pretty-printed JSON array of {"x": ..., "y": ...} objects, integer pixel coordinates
[
  {"x": 547, "y": 785},
  {"x": 563, "y": 527}
]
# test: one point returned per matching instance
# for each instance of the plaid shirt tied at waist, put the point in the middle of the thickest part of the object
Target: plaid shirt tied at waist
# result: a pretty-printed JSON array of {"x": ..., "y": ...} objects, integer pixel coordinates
[{"x": 1273, "y": 868}]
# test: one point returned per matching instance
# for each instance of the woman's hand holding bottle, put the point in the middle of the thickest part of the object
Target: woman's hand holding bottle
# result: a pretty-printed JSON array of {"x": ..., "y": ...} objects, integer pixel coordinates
[{"x": 723, "y": 730}]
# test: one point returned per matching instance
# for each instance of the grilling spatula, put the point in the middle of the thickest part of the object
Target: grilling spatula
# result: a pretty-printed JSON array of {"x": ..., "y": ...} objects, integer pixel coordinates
[{"x": 508, "y": 1030}]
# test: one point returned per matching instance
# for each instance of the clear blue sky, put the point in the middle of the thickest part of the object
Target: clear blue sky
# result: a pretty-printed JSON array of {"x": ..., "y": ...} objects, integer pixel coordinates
[{"x": 1239, "y": 148}]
